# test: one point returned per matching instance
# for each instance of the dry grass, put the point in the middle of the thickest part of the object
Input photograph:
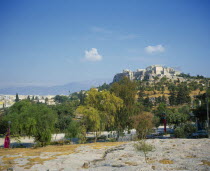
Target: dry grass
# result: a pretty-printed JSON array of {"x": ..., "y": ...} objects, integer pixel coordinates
[
  {"x": 9, "y": 155},
  {"x": 36, "y": 160},
  {"x": 37, "y": 151},
  {"x": 166, "y": 161},
  {"x": 151, "y": 161},
  {"x": 192, "y": 156},
  {"x": 131, "y": 163},
  {"x": 127, "y": 155},
  {"x": 105, "y": 145},
  {"x": 205, "y": 162},
  {"x": 9, "y": 158},
  {"x": 27, "y": 152},
  {"x": 151, "y": 94},
  {"x": 196, "y": 92},
  {"x": 64, "y": 153},
  {"x": 32, "y": 153},
  {"x": 8, "y": 162}
]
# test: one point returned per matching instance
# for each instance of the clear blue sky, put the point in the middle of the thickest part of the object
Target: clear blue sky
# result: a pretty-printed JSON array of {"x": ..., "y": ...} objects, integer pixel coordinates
[{"x": 60, "y": 41}]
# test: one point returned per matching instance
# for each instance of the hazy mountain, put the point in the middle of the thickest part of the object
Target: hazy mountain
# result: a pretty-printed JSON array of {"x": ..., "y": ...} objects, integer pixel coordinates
[{"x": 55, "y": 90}]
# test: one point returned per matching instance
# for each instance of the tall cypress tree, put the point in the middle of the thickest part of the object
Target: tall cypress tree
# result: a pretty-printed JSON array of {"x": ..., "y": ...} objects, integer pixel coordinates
[
  {"x": 172, "y": 97},
  {"x": 183, "y": 94},
  {"x": 17, "y": 98}
]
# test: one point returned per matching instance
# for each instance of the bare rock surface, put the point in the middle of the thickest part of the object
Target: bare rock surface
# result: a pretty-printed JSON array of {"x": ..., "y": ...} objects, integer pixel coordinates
[{"x": 168, "y": 154}]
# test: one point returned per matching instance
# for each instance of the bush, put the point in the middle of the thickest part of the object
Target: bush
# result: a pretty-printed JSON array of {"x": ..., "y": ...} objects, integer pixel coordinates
[
  {"x": 184, "y": 130},
  {"x": 112, "y": 139},
  {"x": 179, "y": 132},
  {"x": 143, "y": 146},
  {"x": 73, "y": 130},
  {"x": 143, "y": 123},
  {"x": 33, "y": 120},
  {"x": 189, "y": 129}
]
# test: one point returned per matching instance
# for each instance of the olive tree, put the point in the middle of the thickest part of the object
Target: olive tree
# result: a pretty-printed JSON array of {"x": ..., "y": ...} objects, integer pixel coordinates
[
  {"x": 33, "y": 120},
  {"x": 143, "y": 123},
  {"x": 99, "y": 110}
]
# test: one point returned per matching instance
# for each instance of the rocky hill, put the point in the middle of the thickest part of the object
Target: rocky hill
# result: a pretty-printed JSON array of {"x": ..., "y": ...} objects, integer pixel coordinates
[{"x": 149, "y": 73}]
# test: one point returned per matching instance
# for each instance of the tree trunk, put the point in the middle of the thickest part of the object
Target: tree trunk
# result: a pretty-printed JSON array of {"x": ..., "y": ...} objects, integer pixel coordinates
[
  {"x": 118, "y": 135},
  {"x": 96, "y": 136}
]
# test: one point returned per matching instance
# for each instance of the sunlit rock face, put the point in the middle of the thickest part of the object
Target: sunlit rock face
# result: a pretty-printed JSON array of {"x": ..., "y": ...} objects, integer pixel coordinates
[{"x": 148, "y": 74}]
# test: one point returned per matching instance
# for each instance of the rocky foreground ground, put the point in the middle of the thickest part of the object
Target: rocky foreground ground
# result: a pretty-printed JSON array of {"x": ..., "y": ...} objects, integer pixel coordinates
[{"x": 168, "y": 154}]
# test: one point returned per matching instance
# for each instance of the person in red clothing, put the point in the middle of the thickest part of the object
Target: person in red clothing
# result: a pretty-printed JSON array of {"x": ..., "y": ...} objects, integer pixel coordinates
[
  {"x": 164, "y": 121},
  {"x": 7, "y": 139}
]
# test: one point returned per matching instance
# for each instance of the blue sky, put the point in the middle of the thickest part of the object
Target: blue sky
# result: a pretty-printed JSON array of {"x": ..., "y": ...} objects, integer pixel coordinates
[{"x": 60, "y": 41}]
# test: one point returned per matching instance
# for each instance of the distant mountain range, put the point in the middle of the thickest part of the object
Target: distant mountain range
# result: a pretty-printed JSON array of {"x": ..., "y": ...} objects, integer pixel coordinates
[{"x": 55, "y": 90}]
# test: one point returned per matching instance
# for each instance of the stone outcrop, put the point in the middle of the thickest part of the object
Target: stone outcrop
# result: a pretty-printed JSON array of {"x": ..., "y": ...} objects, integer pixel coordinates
[{"x": 149, "y": 73}]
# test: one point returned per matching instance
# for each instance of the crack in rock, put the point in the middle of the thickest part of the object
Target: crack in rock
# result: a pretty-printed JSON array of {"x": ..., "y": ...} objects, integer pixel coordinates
[{"x": 107, "y": 152}]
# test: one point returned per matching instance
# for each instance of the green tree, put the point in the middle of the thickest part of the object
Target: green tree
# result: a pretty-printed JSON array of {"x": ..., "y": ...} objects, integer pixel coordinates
[
  {"x": 162, "y": 89},
  {"x": 177, "y": 116},
  {"x": 104, "y": 87},
  {"x": 201, "y": 110},
  {"x": 81, "y": 97},
  {"x": 193, "y": 85},
  {"x": 100, "y": 110},
  {"x": 46, "y": 100},
  {"x": 172, "y": 94},
  {"x": 3, "y": 125},
  {"x": 184, "y": 130},
  {"x": 65, "y": 113},
  {"x": 163, "y": 99},
  {"x": 141, "y": 95},
  {"x": 61, "y": 99},
  {"x": 155, "y": 78},
  {"x": 147, "y": 104},
  {"x": 91, "y": 119},
  {"x": 143, "y": 123},
  {"x": 126, "y": 90},
  {"x": 183, "y": 94},
  {"x": 17, "y": 98},
  {"x": 73, "y": 130},
  {"x": 107, "y": 103},
  {"x": 163, "y": 80},
  {"x": 36, "y": 120},
  {"x": 161, "y": 109}
]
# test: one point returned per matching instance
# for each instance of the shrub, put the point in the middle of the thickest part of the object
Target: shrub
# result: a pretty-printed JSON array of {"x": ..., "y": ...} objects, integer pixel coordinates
[
  {"x": 145, "y": 147},
  {"x": 189, "y": 129},
  {"x": 179, "y": 132},
  {"x": 184, "y": 130},
  {"x": 73, "y": 130},
  {"x": 33, "y": 120},
  {"x": 112, "y": 139},
  {"x": 143, "y": 123}
]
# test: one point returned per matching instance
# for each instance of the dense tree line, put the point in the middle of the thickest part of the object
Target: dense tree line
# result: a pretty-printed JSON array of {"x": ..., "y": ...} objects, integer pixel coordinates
[
  {"x": 119, "y": 106},
  {"x": 31, "y": 119}
]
